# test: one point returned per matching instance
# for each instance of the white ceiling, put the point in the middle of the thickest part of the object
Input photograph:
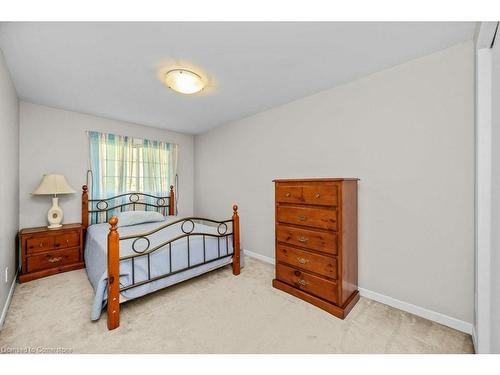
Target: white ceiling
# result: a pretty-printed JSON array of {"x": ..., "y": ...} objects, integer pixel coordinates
[{"x": 111, "y": 69}]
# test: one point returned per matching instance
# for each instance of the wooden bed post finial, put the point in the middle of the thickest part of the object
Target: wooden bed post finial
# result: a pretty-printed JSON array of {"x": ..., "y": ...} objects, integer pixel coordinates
[
  {"x": 171, "y": 201},
  {"x": 236, "y": 241},
  {"x": 85, "y": 207},
  {"x": 113, "y": 274}
]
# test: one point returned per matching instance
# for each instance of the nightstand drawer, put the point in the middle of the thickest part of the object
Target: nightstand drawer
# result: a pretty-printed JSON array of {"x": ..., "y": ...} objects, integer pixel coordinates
[
  {"x": 38, "y": 244},
  {"x": 53, "y": 259},
  {"x": 70, "y": 239}
]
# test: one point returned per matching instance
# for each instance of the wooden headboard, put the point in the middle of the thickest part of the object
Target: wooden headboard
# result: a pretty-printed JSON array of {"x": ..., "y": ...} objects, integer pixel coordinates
[{"x": 96, "y": 211}]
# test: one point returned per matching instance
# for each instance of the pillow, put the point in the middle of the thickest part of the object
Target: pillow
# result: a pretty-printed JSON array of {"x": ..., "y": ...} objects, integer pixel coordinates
[{"x": 128, "y": 218}]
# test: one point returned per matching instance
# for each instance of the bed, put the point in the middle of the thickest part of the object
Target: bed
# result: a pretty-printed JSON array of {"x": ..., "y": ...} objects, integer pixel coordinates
[{"x": 127, "y": 262}]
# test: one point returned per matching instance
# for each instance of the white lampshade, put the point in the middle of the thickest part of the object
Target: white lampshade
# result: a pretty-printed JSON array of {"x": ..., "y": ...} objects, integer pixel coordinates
[{"x": 53, "y": 184}]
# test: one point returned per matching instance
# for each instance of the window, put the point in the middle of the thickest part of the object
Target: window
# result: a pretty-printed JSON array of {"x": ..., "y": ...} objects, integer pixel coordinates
[{"x": 122, "y": 164}]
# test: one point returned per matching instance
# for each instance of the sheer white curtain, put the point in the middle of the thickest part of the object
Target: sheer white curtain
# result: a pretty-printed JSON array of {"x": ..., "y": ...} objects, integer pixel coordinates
[{"x": 122, "y": 164}]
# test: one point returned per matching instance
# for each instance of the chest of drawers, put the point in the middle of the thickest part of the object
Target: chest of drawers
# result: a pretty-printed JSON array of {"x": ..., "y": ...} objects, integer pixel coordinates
[
  {"x": 317, "y": 240},
  {"x": 46, "y": 251}
]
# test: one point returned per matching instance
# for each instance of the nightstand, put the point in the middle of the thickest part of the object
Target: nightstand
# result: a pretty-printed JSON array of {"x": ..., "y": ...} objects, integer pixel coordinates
[{"x": 46, "y": 252}]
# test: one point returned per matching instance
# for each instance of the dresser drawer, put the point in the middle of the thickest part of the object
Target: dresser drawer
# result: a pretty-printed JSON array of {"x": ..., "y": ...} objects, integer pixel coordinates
[
  {"x": 317, "y": 240},
  {"x": 52, "y": 259},
  {"x": 307, "y": 193},
  {"x": 39, "y": 244},
  {"x": 312, "y": 217},
  {"x": 70, "y": 239},
  {"x": 323, "y": 265},
  {"x": 308, "y": 283}
]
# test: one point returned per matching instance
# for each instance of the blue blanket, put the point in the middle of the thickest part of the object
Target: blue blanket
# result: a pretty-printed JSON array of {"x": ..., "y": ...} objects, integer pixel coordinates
[{"x": 96, "y": 258}]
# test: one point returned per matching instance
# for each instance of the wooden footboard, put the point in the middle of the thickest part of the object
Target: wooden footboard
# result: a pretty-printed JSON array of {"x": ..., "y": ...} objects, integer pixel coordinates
[{"x": 187, "y": 227}]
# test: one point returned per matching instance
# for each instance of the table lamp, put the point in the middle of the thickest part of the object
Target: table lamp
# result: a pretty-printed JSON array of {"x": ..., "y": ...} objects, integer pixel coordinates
[{"x": 54, "y": 184}]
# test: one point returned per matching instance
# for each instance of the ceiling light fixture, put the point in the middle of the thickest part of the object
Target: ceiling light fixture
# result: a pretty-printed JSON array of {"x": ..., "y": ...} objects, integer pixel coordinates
[{"x": 184, "y": 81}]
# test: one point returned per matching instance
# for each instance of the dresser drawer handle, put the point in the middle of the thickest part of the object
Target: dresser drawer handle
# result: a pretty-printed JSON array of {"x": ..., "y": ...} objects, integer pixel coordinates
[
  {"x": 54, "y": 260},
  {"x": 302, "y": 218},
  {"x": 287, "y": 195},
  {"x": 303, "y": 239},
  {"x": 317, "y": 195},
  {"x": 302, "y": 260},
  {"x": 302, "y": 282},
  {"x": 41, "y": 244}
]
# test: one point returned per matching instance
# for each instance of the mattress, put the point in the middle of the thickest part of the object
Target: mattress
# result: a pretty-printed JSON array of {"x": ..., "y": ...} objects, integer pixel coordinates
[{"x": 182, "y": 255}]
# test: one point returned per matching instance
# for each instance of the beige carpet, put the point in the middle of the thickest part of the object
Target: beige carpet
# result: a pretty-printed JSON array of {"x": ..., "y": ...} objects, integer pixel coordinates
[{"x": 215, "y": 313}]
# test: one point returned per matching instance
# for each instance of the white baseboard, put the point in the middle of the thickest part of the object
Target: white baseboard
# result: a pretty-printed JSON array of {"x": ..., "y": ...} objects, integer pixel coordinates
[
  {"x": 474, "y": 338},
  {"x": 259, "y": 256},
  {"x": 437, "y": 317},
  {"x": 393, "y": 302},
  {"x": 7, "y": 301}
]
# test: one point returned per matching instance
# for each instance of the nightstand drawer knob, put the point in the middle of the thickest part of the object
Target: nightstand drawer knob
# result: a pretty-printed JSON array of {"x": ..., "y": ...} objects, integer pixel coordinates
[{"x": 55, "y": 260}]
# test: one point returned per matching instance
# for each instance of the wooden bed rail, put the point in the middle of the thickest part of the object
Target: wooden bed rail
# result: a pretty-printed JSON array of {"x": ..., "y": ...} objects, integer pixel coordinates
[{"x": 113, "y": 307}]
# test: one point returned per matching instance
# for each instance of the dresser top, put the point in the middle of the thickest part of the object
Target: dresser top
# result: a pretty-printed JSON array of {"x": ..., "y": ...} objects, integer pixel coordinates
[
  {"x": 317, "y": 179},
  {"x": 45, "y": 229}
]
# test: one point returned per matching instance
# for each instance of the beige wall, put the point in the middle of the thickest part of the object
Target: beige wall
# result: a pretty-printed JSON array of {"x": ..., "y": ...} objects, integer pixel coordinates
[
  {"x": 9, "y": 186},
  {"x": 55, "y": 141},
  {"x": 408, "y": 134}
]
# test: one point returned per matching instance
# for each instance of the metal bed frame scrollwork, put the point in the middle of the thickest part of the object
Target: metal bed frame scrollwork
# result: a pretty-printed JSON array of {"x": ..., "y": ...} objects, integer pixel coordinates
[{"x": 98, "y": 210}]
